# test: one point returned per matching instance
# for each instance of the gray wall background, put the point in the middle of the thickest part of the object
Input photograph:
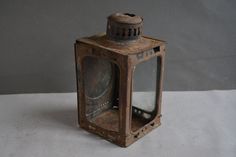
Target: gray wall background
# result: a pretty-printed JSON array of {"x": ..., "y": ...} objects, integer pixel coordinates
[{"x": 36, "y": 41}]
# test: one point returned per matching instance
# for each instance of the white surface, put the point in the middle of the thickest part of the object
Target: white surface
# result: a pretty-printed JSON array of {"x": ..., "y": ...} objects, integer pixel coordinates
[{"x": 195, "y": 124}]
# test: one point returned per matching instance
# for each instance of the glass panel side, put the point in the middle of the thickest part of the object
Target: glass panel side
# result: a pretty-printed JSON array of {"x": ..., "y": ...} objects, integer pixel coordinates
[
  {"x": 146, "y": 77},
  {"x": 101, "y": 84}
]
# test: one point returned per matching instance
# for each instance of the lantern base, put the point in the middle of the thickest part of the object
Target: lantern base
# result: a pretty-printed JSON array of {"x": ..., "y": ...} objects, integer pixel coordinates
[
  {"x": 107, "y": 119},
  {"x": 110, "y": 119}
]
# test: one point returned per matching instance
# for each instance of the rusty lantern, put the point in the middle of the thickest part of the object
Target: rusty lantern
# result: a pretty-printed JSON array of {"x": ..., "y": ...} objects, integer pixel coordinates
[{"x": 119, "y": 80}]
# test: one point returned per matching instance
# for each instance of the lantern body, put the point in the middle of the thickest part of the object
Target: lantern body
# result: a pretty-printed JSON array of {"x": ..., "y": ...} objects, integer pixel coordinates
[{"x": 113, "y": 102}]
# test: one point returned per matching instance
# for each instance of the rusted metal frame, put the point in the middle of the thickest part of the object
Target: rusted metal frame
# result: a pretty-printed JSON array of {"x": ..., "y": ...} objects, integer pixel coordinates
[
  {"x": 156, "y": 119},
  {"x": 124, "y": 88},
  {"x": 94, "y": 52},
  {"x": 162, "y": 57},
  {"x": 121, "y": 30},
  {"x": 77, "y": 76},
  {"x": 82, "y": 119},
  {"x": 119, "y": 60},
  {"x": 147, "y": 56},
  {"x": 124, "y": 99},
  {"x": 122, "y": 138}
]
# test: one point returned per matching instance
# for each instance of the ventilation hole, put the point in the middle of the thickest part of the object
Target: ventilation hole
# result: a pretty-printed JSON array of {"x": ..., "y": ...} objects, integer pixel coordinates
[
  {"x": 134, "y": 32},
  {"x": 156, "y": 49},
  {"x": 129, "y": 33},
  {"x": 128, "y": 14},
  {"x": 115, "y": 107},
  {"x": 123, "y": 32},
  {"x": 152, "y": 124},
  {"x": 146, "y": 116},
  {"x": 136, "y": 136},
  {"x": 91, "y": 127},
  {"x": 138, "y": 31}
]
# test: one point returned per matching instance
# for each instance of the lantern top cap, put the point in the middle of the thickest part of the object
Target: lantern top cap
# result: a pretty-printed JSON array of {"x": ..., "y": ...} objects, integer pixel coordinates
[
  {"x": 124, "y": 27},
  {"x": 125, "y": 18}
]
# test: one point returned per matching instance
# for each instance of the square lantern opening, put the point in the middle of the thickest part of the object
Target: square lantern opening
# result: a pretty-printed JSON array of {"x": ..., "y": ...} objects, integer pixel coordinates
[
  {"x": 101, "y": 91},
  {"x": 146, "y": 82}
]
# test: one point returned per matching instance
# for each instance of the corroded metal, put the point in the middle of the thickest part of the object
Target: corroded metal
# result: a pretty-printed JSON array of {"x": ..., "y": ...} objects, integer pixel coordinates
[
  {"x": 105, "y": 65},
  {"x": 125, "y": 26}
]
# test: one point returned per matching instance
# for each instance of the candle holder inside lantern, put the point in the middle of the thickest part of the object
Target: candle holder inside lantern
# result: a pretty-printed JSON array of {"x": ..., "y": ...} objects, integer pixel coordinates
[{"x": 119, "y": 80}]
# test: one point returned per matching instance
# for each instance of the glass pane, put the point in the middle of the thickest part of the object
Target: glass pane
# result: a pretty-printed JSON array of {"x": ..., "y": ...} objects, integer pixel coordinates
[
  {"x": 98, "y": 76},
  {"x": 101, "y": 94},
  {"x": 145, "y": 78}
]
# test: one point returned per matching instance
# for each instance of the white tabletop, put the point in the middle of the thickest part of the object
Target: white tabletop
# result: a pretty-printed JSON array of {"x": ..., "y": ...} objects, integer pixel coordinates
[{"x": 194, "y": 124}]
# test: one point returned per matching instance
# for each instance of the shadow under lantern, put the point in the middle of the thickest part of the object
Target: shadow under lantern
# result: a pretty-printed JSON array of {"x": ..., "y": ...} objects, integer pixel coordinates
[{"x": 119, "y": 80}]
